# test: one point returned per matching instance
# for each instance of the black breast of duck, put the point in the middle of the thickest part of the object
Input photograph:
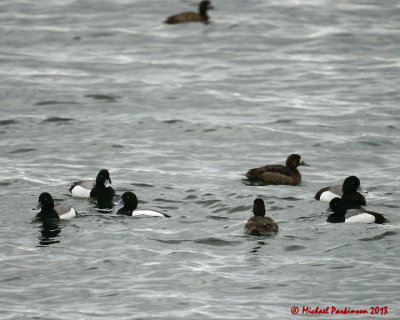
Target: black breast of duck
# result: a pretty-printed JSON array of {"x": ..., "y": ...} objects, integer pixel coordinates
[
  {"x": 351, "y": 196},
  {"x": 341, "y": 214}
]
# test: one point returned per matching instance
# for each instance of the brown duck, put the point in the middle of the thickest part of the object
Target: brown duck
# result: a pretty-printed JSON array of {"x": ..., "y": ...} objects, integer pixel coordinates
[
  {"x": 192, "y": 16},
  {"x": 279, "y": 174},
  {"x": 260, "y": 225}
]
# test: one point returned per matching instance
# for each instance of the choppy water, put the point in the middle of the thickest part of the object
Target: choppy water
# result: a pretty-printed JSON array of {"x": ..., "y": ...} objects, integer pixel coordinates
[{"x": 178, "y": 114}]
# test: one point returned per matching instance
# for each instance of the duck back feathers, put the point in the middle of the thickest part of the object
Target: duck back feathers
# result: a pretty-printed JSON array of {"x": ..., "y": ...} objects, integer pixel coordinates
[
  {"x": 51, "y": 212},
  {"x": 328, "y": 193},
  {"x": 184, "y": 17},
  {"x": 81, "y": 189},
  {"x": 259, "y": 224},
  {"x": 99, "y": 189},
  {"x": 341, "y": 214},
  {"x": 349, "y": 192},
  {"x": 65, "y": 211},
  {"x": 130, "y": 204},
  {"x": 279, "y": 174},
  {"x": 365, "y": 216}
]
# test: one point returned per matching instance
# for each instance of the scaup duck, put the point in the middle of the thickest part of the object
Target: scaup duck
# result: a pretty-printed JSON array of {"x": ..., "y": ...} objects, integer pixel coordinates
[
  {"x": 129, "y": 202},
  {"x": 192, "y": 16},
  {"x": 260, "y": 224},
  {"x": 100, "y": 189},
  {"x": 279, "y": 174},
  {"x": 349, "y": 192},
  {"x": 340, "y": 214},
  {"x": 51, "y": 212}
]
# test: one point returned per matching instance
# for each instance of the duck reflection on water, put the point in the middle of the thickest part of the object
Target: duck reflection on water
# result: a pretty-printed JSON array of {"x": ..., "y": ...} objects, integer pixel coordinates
[{"x": 50, "y": 231}]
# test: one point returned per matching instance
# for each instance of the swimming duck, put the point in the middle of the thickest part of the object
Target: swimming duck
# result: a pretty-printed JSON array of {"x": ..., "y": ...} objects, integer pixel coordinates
[
  {"x": 260, "y": 224},
  {"x": 192, "y": 16},
  {"x": 129, "y": 202},
  {"x": 349, "y": 192},
  {"x": 51, "y": 212},
  {"x": 100, "y": 189},
  {"x": 340, "y": 214},
  {"x": 279, "y": 174}
]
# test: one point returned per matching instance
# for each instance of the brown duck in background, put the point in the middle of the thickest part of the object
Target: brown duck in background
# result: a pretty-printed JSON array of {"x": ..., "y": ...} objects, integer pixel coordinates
[
  {"x": 192, "y": 16},
  {"x": 279, "y": 174},
  {"x": 260, "y": 225}
]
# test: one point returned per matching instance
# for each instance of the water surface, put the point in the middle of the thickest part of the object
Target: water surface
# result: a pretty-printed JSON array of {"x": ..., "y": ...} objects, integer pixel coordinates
[{"x": 178, "y": 114}]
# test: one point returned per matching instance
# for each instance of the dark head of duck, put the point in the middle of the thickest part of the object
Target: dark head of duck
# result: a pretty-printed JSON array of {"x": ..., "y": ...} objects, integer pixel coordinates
[
  {"x": 295, "y": 160},
  {"x": 204, "y": 6},
  {"x": 259, "y": 208},
  {"x": 103, "y": 178}
]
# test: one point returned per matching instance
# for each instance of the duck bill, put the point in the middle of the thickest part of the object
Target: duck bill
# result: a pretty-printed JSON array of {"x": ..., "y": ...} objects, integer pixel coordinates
[
  {"x": 210, "y": 7},
  {"x": 327, "y": 211},
  {"x": 107, "y": 183},
  {"x": 120, "y": 202},
  {"x": 304, "y": 164},
  {"x": 361, "y": 190},
  {"x": 38, "y": 206}
]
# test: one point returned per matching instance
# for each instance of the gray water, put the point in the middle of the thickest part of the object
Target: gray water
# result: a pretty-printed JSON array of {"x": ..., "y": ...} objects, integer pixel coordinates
[{"x": 178, "y": 114}]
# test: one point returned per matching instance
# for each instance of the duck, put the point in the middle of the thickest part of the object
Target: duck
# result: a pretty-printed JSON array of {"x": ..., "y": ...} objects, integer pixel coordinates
[
  {"x": 184, "y": 17},
  {"x": 340, "y": 214},
  {"x": 260, "y": 225},
  {"x": 349, "y": 192},
  {"x": 129, "y": 202},
  {"x": 279, "y": 174},
  {"x": 51, "y": 212},
  {"x": 100, "y": 189}
]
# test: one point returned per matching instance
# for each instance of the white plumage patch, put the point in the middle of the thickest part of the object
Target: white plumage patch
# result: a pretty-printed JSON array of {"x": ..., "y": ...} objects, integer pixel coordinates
[
  {"x": 362, "y": 217},
  {"x": 80, "y": 192},
  {"x": 107, "y": 183},
  {"x": 68, "y": 215},
  {"x": 327, "y": 196},
  {"x": 149, "y": 213}
]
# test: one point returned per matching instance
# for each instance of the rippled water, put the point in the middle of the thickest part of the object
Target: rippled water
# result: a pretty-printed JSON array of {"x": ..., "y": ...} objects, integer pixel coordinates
[{"x": 178, "y": 114}]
